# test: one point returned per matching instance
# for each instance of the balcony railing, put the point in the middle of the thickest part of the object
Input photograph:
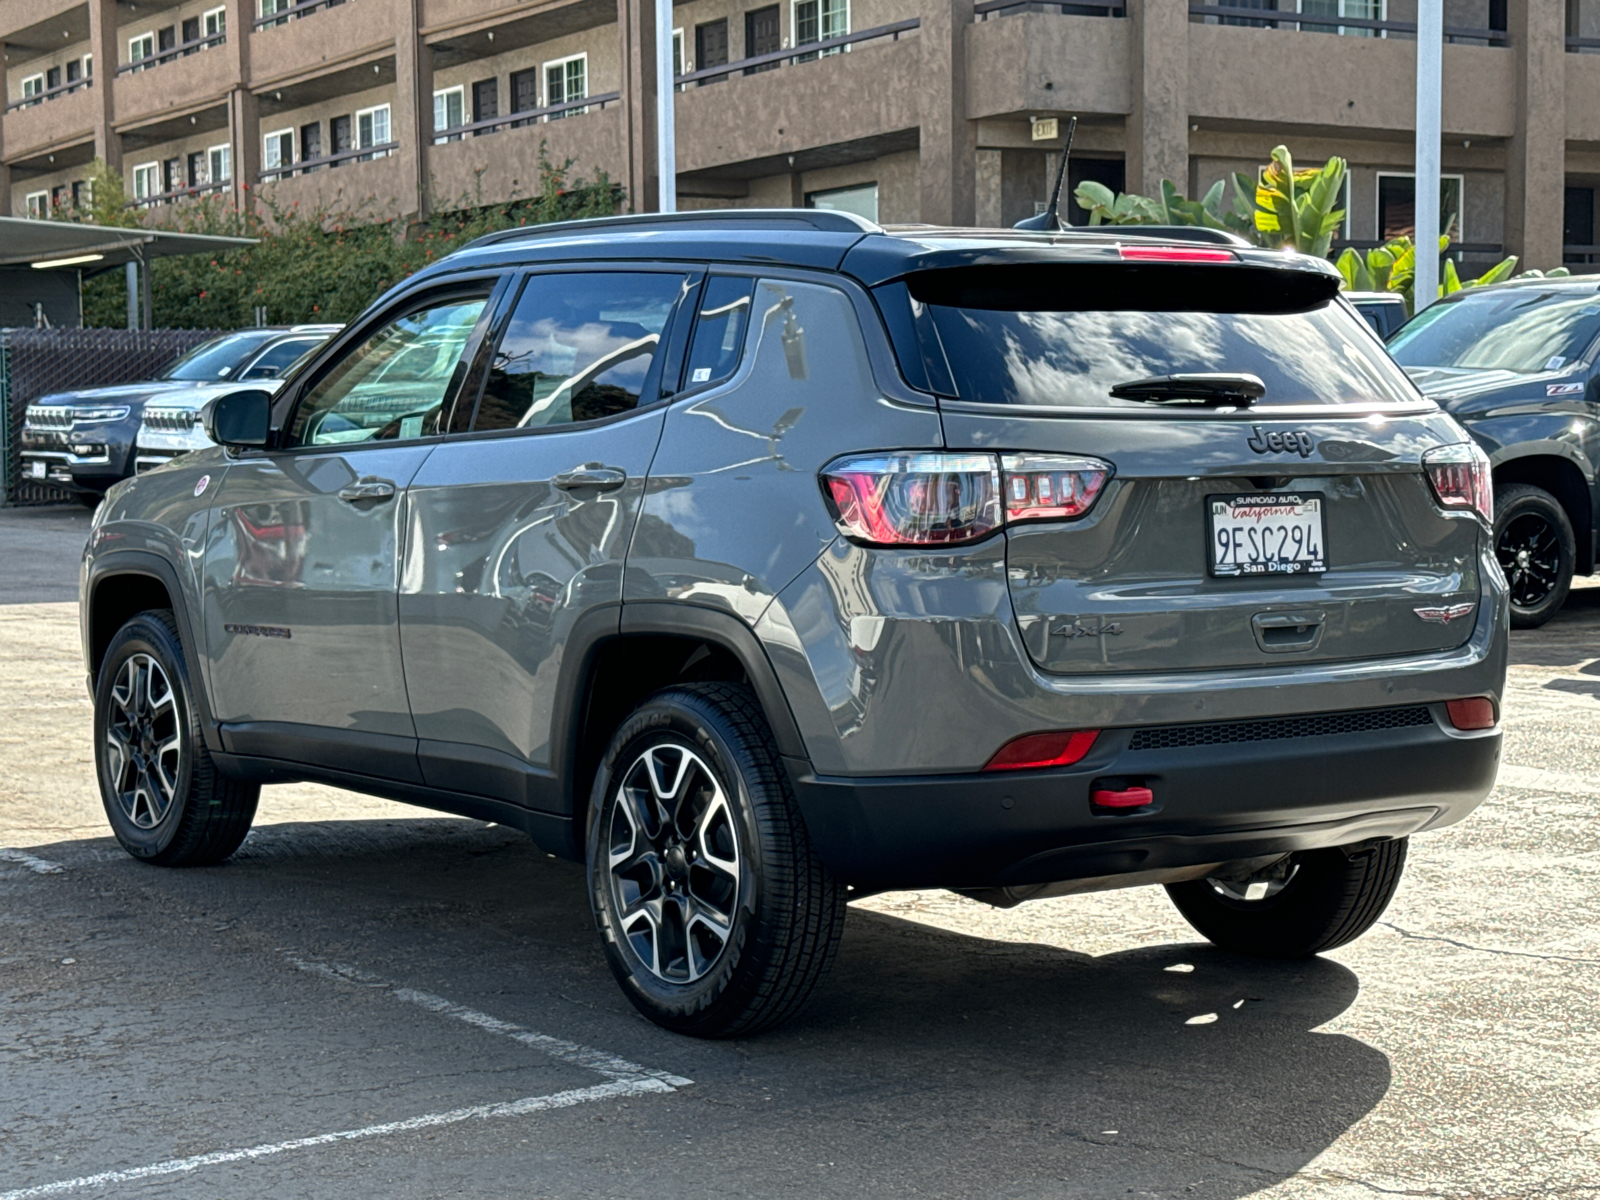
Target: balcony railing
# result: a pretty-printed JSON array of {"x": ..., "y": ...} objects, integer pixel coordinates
[
  {"x": 526, "y": 116},
  {"x": 61, "y": 89},
  {"x": 301, "y": 8},
  {"x": 1005, "y": 8},
  {"x": 183, "y": 193},
  {"x": 1580, "y": 256},
  {"x": 802, "y": 53},
  {"x": 1271, "y": 19},
  {"x": 306, "y": 165},
  {"x": 1455, "y": 250},
  {"x": 182, "y": 50}
]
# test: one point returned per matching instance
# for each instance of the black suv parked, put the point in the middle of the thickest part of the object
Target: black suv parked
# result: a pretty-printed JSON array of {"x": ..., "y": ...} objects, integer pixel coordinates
[
  {"x": 752, "y": 558},
  {"x": 1518, "y": 364},
  {"x": 85, "y": 439}
]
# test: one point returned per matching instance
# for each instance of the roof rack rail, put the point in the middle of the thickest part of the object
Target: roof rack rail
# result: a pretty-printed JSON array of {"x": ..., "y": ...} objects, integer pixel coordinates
[
  {"x": 1175, "y": 233},
  {"x": 818, "y": 219}
]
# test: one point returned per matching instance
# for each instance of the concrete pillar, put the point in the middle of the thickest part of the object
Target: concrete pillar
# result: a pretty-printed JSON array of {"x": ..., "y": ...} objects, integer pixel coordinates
[
  {"x": 948, "y": 144},
  {"x": 411, "y": 117},
  {"x": 1158, "y": 127},
  {"x": 5, "y": 186},
  {"x": 1536, "y": 156},
  {"x": 636, "y": 29},
  {"x": 244, "y": 115},
  {"x": 103, "y": 45}
]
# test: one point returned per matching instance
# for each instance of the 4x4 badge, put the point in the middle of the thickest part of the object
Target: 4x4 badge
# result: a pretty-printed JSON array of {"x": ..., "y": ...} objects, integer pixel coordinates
[
  {"x": 1078, "y": 629},
  {"x": 1296, "y": 440},
  {"x": 1443, "y": 616}
]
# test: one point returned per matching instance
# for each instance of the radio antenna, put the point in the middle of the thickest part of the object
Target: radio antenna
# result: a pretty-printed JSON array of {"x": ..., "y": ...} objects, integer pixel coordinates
[{"x": 1049, "y": 221}]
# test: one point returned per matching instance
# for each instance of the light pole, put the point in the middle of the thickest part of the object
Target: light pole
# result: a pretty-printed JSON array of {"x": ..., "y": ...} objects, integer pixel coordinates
[
  {"x": 666, "y": 134},
  {"x": 1430, "y": 82}
]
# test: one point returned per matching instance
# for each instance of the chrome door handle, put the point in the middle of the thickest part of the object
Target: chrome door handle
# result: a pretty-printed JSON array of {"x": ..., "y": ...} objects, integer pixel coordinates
[
  {"x": 369, "y": 488},
  {"x": 591, "y": 475}
]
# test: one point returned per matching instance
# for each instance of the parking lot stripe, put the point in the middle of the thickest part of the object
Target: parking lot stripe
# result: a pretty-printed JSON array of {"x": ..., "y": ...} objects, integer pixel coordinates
[
  {"x": 610, "y": 1090},
  {"x": 598, "y": 1061},
  {"x": 39, "y": 866}
]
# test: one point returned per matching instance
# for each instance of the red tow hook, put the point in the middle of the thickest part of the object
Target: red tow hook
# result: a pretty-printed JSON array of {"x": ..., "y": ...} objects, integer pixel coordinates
[{"x": 1130, "y": 797}]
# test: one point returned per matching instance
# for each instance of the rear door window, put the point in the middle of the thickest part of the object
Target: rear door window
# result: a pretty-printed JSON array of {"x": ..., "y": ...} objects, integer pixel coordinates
[
  {"x": 1063, "y": 337},
  {"x": 577, "y": 347}
]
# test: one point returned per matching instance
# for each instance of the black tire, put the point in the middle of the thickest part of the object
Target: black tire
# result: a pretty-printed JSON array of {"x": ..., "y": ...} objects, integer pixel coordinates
[
  {"x": 659, "y": 916},
  {"x": 1534, "y": 542},
  {"x": 1333, "y": 897},
  {"x": 172, "y": 808}
]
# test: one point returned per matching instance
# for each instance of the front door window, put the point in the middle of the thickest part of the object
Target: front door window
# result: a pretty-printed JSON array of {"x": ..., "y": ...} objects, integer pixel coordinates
[{"x": 394, "y": 386}]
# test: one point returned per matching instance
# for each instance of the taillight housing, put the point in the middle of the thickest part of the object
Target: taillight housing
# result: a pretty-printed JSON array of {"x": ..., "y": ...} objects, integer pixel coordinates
[
  {"x": 929, "y": 498},
  {"x": 1460, "y": 478},
  {"x": 1175, "y": 254}
]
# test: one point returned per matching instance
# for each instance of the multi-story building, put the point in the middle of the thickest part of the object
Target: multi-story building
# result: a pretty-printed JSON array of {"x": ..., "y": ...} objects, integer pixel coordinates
[{"x": 909, "y": 110}]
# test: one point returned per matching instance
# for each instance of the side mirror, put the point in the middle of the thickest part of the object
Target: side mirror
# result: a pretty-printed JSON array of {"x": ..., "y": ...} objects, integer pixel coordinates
[{"x": 240, "y": 419}]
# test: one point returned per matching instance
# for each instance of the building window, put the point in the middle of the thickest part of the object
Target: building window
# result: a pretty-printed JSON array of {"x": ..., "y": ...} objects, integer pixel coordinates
[
  {"x": 1365, "y": 10},
  {"x": 58, "y": 198},
  {"x": 215, "y": 22},
  {"x": 88, "y": 66},
  {"x": 277, "y": 150},
  {"x": 141, "y": 47},
  {"x": 449, "y": 105},
  {"x": 219, "y": 164},
  {"x": 1397, "y": 206},
  {"x": 146, "y": 180},
  {"x": 566, "y": 79},
  {"x": 861, "y": 199},
  {"x": 678, "y": 66},
  {"x": 32, "y": 86},
  {"x": 38, "y": 205},
  {"x": 819, "y": 20},
  {"x": 268, "y": 8},
  {"x": 372, "y": 130}
]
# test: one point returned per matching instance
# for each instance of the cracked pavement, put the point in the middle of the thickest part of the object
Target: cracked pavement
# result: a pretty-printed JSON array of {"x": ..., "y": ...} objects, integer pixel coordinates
[{"x": 1081, "y": 1047}]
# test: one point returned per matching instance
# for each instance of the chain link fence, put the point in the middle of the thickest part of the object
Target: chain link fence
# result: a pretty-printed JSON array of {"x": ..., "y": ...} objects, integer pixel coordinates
[{"x": 41, "y": 362}]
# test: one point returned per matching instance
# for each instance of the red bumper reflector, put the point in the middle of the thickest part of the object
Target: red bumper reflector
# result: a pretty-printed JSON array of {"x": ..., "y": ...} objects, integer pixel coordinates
[
  {"x": 1475, "y": 712},
  {"x": 1036, "y": 750},
  {"x": 1133, "y": 797}
]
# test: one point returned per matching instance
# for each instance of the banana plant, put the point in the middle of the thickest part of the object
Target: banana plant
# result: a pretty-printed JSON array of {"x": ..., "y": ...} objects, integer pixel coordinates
[
  {"x": 1296, "y": 208},
  {"x": 1393, "y": 268}
]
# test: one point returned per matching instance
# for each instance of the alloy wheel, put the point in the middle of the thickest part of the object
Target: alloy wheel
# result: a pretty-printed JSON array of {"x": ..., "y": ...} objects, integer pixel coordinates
[
  {"x": 1529, "y": 550},
  {"x": 144, "y": 738},
  {"x": 674, "y": 863}
]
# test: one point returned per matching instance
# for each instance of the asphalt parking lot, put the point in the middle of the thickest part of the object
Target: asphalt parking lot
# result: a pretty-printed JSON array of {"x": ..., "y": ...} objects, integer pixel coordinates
[{"x": 373, "y": 1001}]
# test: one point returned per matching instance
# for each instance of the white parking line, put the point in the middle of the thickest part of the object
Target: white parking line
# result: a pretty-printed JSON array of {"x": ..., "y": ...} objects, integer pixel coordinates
[
  {"x": 511, "y": 1108},
  {"x": 623, "y": 1078},
  {"x": 39, "y": 866}
]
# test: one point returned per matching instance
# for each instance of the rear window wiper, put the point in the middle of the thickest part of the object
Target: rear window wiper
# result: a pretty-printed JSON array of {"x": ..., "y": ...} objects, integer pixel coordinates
[{"x": 1197, "y": 388}]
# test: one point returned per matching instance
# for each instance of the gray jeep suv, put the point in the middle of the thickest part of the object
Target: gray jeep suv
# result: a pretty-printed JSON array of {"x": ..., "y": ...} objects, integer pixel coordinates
[{"x": 762, "y": 560}]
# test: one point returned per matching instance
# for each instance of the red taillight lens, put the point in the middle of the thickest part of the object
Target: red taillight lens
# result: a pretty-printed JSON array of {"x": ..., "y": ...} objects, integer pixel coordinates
[
  {"x": 931, "y": 499},
  {"x": 1036, "y": 750},
  {"x": 1046, "y": 487},
  {"x": 1460, "y": 478},
  {"x": 915, "y": 499},
  {"x": 1176, "y": 254},
  {"x": 1475, "y": 712}
]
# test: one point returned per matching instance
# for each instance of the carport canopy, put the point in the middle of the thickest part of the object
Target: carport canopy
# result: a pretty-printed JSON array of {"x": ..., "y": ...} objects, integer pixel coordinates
[{"x": 68, "y": 246}]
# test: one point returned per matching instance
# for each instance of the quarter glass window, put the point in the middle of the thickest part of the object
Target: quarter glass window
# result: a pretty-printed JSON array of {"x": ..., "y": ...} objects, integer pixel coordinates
[
  {"x": 719, "y": 330},
  {"x": 577, "y": 348},
  {"x": 394, "y": 385}
]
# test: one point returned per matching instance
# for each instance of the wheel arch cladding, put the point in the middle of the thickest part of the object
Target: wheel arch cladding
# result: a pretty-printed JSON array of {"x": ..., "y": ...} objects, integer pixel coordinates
[{"x": 1563, "y": 480}]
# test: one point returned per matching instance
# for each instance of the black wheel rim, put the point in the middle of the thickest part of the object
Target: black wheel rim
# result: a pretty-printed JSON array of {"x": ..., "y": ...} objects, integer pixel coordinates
[
  {"x": 144, "y": 742},
  {"x": 674, "y": 864},
  {"x": 1529, "y": 550}
]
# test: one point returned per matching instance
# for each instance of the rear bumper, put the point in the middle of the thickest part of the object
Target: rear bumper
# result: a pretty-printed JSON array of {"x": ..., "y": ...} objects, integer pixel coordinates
[{"x": 1213, "y": 803}]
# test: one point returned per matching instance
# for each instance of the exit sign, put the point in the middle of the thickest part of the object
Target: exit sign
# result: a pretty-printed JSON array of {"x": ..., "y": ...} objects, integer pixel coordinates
[{"x": 1046, "y": 128}]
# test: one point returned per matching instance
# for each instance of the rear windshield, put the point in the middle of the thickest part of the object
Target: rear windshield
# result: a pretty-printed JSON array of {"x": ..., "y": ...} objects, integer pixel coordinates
[
  {"x": 1030, "y": 346},
  {"x": 1512, "y": 329}
]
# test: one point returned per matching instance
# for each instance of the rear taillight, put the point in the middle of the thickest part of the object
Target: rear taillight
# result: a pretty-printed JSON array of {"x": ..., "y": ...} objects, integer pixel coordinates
[
  {"x": 915, "y": 499},
  {"x": 1035, "y": 750},
  {"x": 1460, "y": 478},
  {"x": 1175, "y": 254},
  {"x": 1474, "y": 712},
  {"x": 933, "y": 499},
  {"x": 1048, "y": 487}
]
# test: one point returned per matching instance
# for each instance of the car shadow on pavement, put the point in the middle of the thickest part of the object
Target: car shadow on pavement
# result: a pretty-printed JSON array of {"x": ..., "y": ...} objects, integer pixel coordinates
[{"x": 1153, "y": 1063}]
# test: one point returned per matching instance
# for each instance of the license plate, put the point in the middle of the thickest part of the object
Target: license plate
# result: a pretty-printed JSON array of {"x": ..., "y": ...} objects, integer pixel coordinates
[
  {"x": 36, "y": 469},
  {"x": 1277, "y": 534}
]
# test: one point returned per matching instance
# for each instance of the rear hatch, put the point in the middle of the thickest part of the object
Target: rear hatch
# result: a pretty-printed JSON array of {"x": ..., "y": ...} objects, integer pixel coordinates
[{"x": 1232, "y": 530}]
